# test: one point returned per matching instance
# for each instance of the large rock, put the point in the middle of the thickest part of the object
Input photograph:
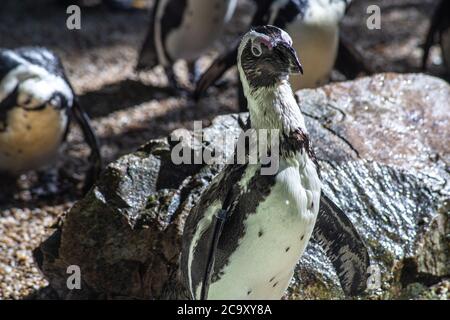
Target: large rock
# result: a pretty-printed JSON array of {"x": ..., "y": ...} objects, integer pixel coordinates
[{"x": 384, "y": 152}]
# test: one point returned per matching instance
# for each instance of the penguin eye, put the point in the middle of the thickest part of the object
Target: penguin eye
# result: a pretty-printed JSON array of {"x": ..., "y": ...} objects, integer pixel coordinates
[{"x": 256, "y": 49}]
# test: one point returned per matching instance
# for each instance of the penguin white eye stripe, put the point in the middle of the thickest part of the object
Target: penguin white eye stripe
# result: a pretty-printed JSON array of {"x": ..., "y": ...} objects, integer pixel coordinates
[
  {"x": 257, "y": 40},
  {"x": 256, "y": 48}
]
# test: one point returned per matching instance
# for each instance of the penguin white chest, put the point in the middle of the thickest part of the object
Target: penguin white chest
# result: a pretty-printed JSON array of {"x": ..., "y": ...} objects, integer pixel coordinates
[
  {"x": 275, "y": 238},
  {"x": 31, "y": 138},
  {"x": 202, "y": 23},
  {"x": 317, "y": 46}
]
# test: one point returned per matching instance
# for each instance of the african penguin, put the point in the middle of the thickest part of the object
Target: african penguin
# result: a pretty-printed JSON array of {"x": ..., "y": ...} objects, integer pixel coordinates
[
  {"x": 314, "y": 27},
  {"x": 182, "y": 29},
  {"x": 440, "y": 31},
  {"x": 248, "y": 230},
  {"x": 36, "y": 105}
]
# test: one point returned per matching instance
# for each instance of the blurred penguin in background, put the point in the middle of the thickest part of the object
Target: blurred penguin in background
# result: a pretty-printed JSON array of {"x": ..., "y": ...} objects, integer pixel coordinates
[
  {"x": 37, "y": 103},
  {"x": 183, "y": 30},
  {"x": 314, "y": 28}
]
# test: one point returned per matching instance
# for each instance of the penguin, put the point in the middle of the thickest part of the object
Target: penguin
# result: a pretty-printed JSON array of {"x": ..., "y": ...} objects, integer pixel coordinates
[
  {"x": 245, "y": 235},
  {"x": 37, "y": 103},
  {"x": 182, "y": 29},
  {"x": 439, "y": 30},
  {"x": 314, "y": 27}
]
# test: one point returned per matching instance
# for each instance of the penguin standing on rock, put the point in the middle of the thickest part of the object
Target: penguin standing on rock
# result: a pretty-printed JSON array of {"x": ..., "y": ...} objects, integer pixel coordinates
[
  {"x": 183, "y": 29},
  {"x": 248, "y": 230},
  {"x": 439, "y": 30},
  {"x": 36, "y": 105},
  {"x": 314, "y": 28}
]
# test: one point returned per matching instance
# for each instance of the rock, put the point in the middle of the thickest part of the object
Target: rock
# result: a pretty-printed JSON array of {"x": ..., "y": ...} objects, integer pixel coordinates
[{"x": 383, "y": 148}]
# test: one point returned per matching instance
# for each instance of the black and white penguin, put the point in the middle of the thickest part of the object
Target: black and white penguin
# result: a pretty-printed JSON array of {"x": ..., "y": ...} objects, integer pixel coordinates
[
  {"x": 248, "y": 230},
  {"x": 314, "y": 28},
  {"x": 36, "y": 105},
  {"x": 439, "y": 32},
  {"x": 183, "y": 29}
]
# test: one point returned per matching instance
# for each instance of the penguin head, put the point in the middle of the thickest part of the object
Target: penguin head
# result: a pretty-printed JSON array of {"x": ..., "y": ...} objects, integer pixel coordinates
[
  {"x": 266, "y": 57},
  {"x": 33, "y": 78}
]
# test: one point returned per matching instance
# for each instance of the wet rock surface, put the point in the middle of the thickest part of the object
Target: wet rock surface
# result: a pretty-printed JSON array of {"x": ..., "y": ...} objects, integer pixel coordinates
[{"x": 383, "y": 148}]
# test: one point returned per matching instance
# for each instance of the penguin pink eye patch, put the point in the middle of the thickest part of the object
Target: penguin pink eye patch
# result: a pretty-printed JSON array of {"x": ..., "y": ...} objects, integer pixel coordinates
[
  {"x": 256, "y": 44},
  {"x": 265, "y": 41}
]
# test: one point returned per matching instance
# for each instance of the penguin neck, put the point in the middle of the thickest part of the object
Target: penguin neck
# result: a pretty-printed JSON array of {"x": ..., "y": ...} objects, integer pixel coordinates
[{"x": 274, "y": 107}]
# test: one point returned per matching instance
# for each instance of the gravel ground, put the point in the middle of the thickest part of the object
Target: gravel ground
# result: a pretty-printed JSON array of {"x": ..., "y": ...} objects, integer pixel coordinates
[{"x": 129, "y": 109}]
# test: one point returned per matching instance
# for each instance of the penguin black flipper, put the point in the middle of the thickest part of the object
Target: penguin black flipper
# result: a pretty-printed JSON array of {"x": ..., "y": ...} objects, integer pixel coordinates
[
  {"x": 95, "y": 158},
  {"x": 349, "y": 61},
  {"x": 439, "y": 22},
  {"x": 343, "y": 245},
  {"x": 203, "y": 250}
]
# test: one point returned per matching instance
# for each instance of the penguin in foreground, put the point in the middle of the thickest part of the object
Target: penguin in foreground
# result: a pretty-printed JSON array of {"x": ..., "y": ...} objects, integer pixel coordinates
[
  {"x": 182, "y": 29},
  {"x": 248, "y": 230},
  {"x": 439, "y": 32},
  {"x": 37, "y": 103},
  {"x": 314, "y": 27}
]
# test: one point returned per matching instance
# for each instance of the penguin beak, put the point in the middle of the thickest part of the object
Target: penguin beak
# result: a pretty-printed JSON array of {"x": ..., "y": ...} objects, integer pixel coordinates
[{"x": 295, "y": 66}]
